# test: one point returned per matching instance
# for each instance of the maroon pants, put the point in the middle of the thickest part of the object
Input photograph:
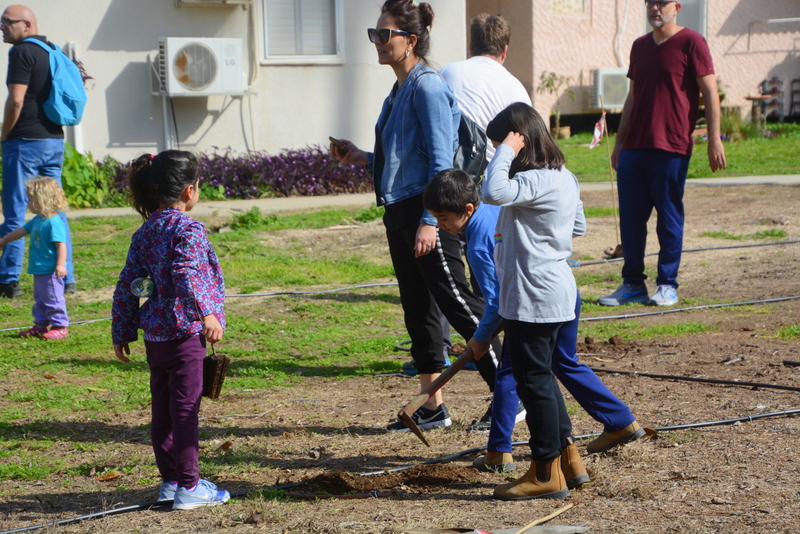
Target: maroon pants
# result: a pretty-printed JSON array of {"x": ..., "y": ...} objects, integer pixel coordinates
[{"x": 176, "y": 385}]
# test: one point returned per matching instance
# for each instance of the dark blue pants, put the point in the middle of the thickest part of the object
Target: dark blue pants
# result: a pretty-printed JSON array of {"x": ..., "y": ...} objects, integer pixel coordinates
[
  {"x": 647, "y": 179},
  {"x": 176, "y": 386},
  {"x": 579, "y": 379},
  {"x": 531, "y": 347},
  {"x": 583, "y": 384}
]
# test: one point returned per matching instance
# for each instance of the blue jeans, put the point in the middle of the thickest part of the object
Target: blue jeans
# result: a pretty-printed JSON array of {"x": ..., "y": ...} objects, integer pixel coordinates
[
  {"x": 22, "y": 160},
  {"x": 647, "y": 179}
]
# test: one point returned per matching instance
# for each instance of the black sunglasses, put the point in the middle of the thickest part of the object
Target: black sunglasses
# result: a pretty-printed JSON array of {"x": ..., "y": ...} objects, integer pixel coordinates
[
  {"x": 8, "y": 22},
  {"x": 658, "y": 4},
  {"x": 383, "y": 35}
]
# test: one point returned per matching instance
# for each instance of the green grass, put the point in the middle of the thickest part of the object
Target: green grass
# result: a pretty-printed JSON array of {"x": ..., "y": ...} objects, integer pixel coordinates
[
  {"x": 764, "y": 234},
  {"x": 789, "y": 332},
  {"x": 747, "y": 157}
]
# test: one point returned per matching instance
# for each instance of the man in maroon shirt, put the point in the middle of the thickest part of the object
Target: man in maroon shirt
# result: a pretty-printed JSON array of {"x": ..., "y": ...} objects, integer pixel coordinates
[{"x": 669, "y": 69}]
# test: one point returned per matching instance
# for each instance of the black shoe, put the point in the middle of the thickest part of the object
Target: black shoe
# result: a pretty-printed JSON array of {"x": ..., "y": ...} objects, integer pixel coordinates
[
  {"x": 410, "y": 367},
  {"x": 70, "y": 287},
  {"x": 425, "y": 419},
  {"x": 485, "y": 423},
  {"x": 10, "y": 290}
]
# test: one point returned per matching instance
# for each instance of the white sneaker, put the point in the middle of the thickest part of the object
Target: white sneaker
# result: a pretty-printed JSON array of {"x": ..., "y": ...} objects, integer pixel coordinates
[{"x": 665, "y": 295}]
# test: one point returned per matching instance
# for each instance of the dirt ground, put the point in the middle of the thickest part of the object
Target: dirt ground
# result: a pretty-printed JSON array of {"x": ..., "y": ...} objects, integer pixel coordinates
[{"x": 326, "y": 434}]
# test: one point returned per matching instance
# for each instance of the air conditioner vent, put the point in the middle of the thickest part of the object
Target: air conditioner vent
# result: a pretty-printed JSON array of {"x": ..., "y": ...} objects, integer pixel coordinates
[
  {"x": 611, "y": 85},
  {"x": 200, "y": 67}
]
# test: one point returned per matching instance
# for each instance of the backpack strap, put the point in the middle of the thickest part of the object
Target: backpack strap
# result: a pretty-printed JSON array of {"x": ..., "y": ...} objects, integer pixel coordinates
[{"x": 46, "y": 46}]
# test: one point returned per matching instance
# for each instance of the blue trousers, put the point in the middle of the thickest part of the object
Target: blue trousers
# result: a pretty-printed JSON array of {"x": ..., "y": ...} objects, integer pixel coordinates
[
  {"x": 579, "y": 379},
  {"x": 24, "y": 159},
  {"x": 647, "y": 179}
]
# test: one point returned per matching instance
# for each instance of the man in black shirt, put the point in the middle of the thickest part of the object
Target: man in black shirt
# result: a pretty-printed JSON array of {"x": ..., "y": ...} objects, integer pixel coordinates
[{"x": 32, "y": 143}]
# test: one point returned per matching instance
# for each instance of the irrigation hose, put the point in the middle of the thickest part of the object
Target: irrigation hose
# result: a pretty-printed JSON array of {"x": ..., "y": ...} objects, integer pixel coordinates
[
  {"x": 577, "y": 263},
  {"x": 443, "y": 459},
  {"x": 703, "y": 380}
]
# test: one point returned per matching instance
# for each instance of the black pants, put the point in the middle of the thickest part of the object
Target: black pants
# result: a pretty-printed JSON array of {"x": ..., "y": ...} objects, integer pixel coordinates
[
  {"x": 437, "y": 278},
  {"x": 531, "y": 347}
]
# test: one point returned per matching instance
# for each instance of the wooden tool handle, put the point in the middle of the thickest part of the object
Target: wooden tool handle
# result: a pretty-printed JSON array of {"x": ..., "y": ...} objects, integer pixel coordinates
[{"x": 466, "y": 357}]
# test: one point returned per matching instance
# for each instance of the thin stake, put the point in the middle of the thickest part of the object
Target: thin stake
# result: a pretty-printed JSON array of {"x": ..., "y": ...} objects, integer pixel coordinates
[
  {"x": 548, "y": 518},
  {"x": 610, "y": 169}
]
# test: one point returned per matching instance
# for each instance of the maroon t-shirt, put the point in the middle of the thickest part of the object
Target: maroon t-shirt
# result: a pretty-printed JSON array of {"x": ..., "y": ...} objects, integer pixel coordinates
[{"x": 665, "y": 90}]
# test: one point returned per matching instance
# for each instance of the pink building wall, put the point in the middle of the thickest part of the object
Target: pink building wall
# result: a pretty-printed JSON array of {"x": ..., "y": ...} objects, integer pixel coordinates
[{"x": 574, "y": 37}]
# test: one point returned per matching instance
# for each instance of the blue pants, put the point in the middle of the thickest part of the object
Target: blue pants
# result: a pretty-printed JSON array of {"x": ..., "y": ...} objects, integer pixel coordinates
[
  {"x": 578, "y": 378},
  {"x": 176, "y": 386},
  {"x": 23, "y": 159},
  {"x": 647, "y": 179}
]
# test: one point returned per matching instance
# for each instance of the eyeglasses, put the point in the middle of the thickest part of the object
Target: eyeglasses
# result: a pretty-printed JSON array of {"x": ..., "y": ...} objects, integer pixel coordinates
[
  {"x": 383, "y": 35},
  {"x": 8, "y": 22},
  {"x": 658, "y": 4}
]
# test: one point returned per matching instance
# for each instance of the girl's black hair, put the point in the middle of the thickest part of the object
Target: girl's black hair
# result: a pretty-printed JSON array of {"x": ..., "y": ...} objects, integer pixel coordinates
[
  {"x": 158, "y": 180},
  {"x": 540, "y": 151},
  {"x": 416, "y": 20}
]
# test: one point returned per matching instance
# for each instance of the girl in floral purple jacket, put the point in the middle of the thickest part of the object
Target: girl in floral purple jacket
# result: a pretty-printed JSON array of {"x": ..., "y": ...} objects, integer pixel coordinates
[{"x": 171, "y": 261}]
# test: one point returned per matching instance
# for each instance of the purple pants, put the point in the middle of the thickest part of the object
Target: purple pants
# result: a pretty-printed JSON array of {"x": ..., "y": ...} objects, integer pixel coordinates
[
  {"x": 49, "y": 306},
  {"x": 176, "y": 385}
]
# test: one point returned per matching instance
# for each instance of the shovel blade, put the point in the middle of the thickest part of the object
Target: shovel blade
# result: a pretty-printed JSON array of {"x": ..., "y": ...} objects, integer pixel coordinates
[{"x": 405, "y": 417}]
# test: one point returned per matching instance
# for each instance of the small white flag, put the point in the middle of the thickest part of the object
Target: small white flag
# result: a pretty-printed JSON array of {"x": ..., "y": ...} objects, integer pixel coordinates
[{"x": 598, "y": 131}]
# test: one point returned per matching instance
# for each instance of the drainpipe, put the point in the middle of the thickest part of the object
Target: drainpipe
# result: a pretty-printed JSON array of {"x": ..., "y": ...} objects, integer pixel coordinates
[{"x": 74, "y": 133}]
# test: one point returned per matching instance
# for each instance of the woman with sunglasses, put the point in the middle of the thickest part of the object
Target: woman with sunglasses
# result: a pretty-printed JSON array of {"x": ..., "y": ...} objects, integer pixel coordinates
[{"x": 416, "y": 137}]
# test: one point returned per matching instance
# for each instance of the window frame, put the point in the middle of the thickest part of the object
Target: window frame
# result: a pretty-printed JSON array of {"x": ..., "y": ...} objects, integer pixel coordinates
[
  {"x": 319, "y": 59},
  {"x": 703, "y": 14}
]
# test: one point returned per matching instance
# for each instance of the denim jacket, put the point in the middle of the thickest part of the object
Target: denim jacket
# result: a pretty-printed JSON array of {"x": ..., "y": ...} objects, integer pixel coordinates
[{"x": 416, "y": 136}]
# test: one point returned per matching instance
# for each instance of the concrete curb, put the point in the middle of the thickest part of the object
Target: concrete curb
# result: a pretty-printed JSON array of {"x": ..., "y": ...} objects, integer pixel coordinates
[{"x": 227, "y": 208}]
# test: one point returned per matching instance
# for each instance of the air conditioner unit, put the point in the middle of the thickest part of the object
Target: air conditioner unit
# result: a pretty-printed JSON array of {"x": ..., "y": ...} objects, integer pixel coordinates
[
  {"x": 610, "y": 84},
  {"x": 200, "y": 66}
]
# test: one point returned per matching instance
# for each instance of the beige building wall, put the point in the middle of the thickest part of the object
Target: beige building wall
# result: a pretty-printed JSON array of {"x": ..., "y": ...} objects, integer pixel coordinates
[
  {"x": 289, "y": 106},
  {"x": 574, "y": 37}
]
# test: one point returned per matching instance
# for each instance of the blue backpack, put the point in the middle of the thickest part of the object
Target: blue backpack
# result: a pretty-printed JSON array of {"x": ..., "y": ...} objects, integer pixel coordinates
[{"x": 67, "y": 96}]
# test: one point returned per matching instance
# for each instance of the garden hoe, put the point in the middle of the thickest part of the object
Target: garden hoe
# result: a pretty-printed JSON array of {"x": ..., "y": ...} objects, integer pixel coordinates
[{"x": 408, "y": 410}]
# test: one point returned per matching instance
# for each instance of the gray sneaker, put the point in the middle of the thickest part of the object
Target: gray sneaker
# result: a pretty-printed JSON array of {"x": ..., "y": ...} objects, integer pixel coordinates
[
  {"x": 665, "y": 295},
  {"x": 625, "y": 294}
]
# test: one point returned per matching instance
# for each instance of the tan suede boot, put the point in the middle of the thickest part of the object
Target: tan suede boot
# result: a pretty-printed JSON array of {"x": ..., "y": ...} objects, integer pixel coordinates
[
  {"x": 544, "y": 480},
  {"x": 498, "y": 462},
  {"x": 607, "y": 440},
  {"x": 572, "y": 466}
]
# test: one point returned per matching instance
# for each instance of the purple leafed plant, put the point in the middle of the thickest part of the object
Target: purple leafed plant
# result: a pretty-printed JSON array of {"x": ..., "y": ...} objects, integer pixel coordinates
[{"x": 299, "y": 172}]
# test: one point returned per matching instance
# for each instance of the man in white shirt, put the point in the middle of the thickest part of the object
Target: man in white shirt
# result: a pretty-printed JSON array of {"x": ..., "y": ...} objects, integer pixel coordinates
[
  {"x": 483, "y": 88},
  {"x": 482, "y": 85}
]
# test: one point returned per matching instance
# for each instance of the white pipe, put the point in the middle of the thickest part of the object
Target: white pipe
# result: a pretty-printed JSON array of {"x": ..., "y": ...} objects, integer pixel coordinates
[
  {"x": 167, "y": 127},
  {"x": 619, "y": 37},
  {"x": 74, "y": 133}
]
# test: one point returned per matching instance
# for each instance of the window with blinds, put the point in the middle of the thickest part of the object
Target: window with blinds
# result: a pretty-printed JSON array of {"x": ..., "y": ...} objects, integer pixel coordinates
[{"x": 301, "y": 29}]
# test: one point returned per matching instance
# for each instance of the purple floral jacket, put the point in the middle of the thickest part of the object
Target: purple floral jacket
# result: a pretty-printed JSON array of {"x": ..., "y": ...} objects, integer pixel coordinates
[{"x": 173, "y": 249}]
